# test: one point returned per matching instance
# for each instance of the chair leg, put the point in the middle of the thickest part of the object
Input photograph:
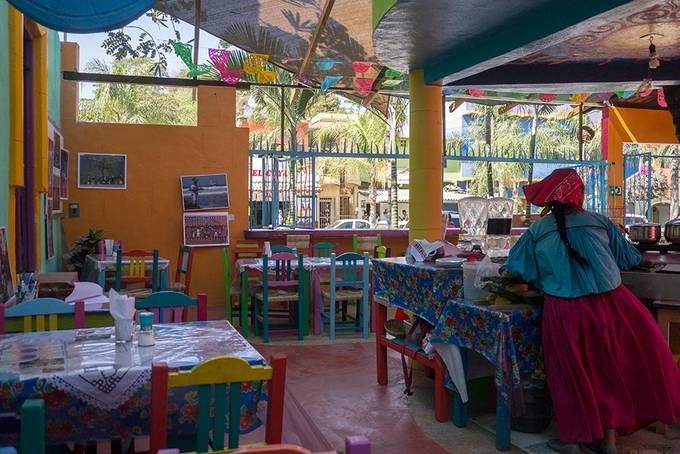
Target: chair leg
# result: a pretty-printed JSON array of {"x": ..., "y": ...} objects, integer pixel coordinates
[
  {"x": 255, "y": 312},
  {"x": 265, "y": 320},
  {"x": 364, "y": 316},
  {"x": 321, "y": 316},
  {"x": 343, "y": 305},
  {"x": 300, "y": 319},
  {"x": 331, "y": 320}
]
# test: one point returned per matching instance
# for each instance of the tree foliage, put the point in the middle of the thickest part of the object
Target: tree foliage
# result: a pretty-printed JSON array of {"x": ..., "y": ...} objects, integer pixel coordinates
[{"x": 142, "y": 104}]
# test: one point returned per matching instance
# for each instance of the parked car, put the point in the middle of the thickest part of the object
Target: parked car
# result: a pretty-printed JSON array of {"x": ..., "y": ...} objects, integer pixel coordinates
[
  {"x": 350, "y": 224},
  {"x": 631, "y": 219}
]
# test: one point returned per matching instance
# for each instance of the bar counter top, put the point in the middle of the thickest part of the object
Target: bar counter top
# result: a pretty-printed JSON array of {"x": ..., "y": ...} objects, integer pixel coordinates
[{"x": 317, "y": 234}]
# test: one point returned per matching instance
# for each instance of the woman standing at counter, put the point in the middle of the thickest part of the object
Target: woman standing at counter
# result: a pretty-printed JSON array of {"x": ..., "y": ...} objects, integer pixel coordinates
[{"x": 608, "y": 366}]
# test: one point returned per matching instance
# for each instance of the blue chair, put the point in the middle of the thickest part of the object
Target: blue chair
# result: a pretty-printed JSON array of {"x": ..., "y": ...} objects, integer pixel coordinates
[
  {"x": 280, "y": 284},
  {"x": 172, "y": 307},
  {"x": 45, "y": 312},
  {"x": 350, "y": 286}
]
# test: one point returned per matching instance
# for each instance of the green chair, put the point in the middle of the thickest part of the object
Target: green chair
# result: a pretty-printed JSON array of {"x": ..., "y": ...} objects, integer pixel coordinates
[
  {"x": 277, "y": 248},
  {"x": 324, "y": 249},
  {"x": 137, "y": 271},
  {"x": 231, "y": 292}
]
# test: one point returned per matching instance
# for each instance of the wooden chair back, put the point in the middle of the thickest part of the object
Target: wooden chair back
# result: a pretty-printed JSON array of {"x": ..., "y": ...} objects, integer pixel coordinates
[
  {"x": 277, "y": 248},
  {"x": 324, "y": 249},
  {"x": 32, "y": 432},
  {"x": 184, "y": 262},
  {"x": 247, "y": 249},
  {"x": 350, "y": 275},
  {"x": 298, "y": 242},
  {"x": 137, "y": 268},
  {"x": 42, "y": 314},
  {"x": 172, "y": 307},
  {"x": 365, "y": 243},
  {"x": 278, "y": 272},
  {"x": 212, "y": 378}
]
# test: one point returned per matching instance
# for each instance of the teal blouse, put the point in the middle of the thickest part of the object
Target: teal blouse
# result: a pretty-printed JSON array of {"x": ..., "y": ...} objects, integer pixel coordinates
[{"x": 541, "y": 258}]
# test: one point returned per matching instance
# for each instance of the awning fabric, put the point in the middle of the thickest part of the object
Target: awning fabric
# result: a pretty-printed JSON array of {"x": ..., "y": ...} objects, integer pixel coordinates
[{"x": 82, "y": 16}]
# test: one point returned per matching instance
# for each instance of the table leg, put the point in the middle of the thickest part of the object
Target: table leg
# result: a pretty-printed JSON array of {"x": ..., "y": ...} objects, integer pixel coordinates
[
  {"x": 502, "y": 423},
  {"x": 441, "y": 394},
  {"x": 244, "y": 303},
  {"x": 316, "y": 302},
  {"x": 380, "y": 316},
  {"x": 460, "y": 408}
]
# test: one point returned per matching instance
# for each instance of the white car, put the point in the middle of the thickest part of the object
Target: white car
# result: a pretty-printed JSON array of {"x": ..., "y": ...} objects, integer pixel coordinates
[{"x": 350, "y": 224}]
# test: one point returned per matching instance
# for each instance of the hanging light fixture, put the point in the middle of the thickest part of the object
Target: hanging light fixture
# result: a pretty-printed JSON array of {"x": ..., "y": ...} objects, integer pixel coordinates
[{"x": 654, "y": 61}]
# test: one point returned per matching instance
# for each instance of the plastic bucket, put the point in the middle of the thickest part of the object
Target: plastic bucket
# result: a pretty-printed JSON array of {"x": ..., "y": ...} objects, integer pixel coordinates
[{"x": 470, "y": 292}]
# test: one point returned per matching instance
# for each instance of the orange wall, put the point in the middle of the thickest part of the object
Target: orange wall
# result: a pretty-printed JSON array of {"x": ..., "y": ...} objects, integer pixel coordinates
[
  {"x": 148, "y": 214},
  {"x": 636, "y": 126}
]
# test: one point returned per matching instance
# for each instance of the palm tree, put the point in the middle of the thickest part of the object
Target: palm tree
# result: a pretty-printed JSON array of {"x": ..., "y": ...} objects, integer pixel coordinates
[{"x": 397, "y": 114}]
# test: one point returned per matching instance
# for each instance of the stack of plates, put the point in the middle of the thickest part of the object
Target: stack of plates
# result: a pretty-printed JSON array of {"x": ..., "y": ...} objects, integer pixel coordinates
[{"x": 450, "y": 262}]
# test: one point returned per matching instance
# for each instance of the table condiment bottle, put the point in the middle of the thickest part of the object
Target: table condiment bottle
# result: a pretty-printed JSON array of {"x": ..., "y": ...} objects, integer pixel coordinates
[{"x": 145, "y": 338}]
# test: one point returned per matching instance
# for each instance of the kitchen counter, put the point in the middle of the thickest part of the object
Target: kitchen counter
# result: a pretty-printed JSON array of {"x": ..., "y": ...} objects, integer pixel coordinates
[{"x": 655, "y": 282}]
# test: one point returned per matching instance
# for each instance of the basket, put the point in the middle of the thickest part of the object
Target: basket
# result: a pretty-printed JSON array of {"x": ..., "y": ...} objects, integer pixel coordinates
[{"x": 395, "y": 328}]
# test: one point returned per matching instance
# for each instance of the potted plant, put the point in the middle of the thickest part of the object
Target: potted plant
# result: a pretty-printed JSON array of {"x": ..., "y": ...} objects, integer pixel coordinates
[{"x": 86, "y": 244}]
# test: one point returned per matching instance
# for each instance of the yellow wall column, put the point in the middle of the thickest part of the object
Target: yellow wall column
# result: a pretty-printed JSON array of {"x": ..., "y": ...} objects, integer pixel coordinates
[{"x": 425, "y": 158}]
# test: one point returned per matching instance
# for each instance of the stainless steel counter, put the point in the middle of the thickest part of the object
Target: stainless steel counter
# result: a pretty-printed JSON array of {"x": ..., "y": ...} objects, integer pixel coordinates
[{"x": 654, "y": 284}]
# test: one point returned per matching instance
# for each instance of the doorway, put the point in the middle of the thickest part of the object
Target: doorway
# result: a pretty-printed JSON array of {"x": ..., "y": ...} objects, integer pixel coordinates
[{"x": 24, "y": 238}]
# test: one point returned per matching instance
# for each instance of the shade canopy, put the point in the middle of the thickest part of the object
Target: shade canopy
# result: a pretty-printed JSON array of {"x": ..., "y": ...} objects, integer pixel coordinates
[{"x": 82, "y": 16}]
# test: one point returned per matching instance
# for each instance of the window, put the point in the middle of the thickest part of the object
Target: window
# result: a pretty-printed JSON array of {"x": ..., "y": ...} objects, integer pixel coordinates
[
  {"x": 345, "y": 225},
  {"x": 363, "y": 225},
  {"x": 344, "y": 207}
]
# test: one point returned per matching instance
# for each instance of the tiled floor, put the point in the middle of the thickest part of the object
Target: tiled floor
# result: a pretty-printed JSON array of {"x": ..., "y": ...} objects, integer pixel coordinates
[{"x": 335, "y": 383}]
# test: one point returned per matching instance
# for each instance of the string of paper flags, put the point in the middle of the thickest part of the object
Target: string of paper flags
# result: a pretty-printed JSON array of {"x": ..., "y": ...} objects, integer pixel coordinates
[
  {"x": 255, "y": 65},
  {"x": 574, "y": 97}
]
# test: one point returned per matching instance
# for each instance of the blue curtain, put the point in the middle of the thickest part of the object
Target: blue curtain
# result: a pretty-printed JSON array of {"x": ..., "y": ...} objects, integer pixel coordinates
[{"x": 83, "y": 16}]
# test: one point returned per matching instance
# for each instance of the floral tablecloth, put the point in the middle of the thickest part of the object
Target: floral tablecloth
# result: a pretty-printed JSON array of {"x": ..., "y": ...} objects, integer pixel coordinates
[
  {"x": 509, "y": 339},
  {"x": 96, "y": 389},
  {"x": 420, "y": 288}
]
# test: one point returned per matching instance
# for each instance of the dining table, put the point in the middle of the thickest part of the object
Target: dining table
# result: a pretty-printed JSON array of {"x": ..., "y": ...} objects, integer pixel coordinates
[
  {"x": 314, "y": 269},
  {"x": 97, "y": 389},
  {"x": 97, "y": 265}
]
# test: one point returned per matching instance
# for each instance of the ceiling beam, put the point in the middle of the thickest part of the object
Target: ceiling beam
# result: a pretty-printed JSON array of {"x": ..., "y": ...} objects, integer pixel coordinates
[
  {"x": 549, "y": 23},
  {"x": 567, "y": 77},
  {"x": 311, "y": 49}
]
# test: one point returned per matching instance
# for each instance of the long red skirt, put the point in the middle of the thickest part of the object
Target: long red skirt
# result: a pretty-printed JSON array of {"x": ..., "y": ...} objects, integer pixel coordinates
[{"x": 608, "y": 366}]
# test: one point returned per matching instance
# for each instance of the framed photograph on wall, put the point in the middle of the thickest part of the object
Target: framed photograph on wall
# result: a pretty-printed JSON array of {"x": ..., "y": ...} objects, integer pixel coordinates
[
  {"x": 206, "y": 229},
  {"x": 64, "y": 174},
  {"x": 204, "y": 192},
  {"x": 6, "y": 282},
  {"x": 102, "y": 171}
]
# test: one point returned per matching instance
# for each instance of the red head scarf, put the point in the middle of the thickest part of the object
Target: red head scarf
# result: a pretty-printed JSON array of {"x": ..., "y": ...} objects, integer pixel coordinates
[{"x": 563, "y": 186}]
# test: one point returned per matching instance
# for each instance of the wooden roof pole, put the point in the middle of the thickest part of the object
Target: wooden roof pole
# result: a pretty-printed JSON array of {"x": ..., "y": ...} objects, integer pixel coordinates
[{"x": 325, "y": 13}]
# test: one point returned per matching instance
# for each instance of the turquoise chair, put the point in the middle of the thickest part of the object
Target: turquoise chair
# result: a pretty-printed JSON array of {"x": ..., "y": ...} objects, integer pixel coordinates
[
  {"x": 137, "y": 270},
  {"x": 280, "y": 284},
  {"x": 351, "y": 285},
  {"x": 282, "y": 248},
  {"x": 172, "y": 307},
  {"x": 32, "y": 438},
  {"x": 42, "y": 314}
]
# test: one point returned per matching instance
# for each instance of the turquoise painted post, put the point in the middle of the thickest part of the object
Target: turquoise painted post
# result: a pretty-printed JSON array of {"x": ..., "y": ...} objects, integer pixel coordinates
[
  {"x": 275, "y": 192},
  {"x": 4, "y": 120},
  {"x": 265, "y": 299},
  {"x": 265, "y": 211}
]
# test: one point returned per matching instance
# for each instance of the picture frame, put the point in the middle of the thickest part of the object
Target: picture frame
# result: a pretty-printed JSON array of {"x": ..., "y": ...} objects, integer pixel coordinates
[
  {"x": 102, "y": 171},
  {"x": 64, "y": 174},
  {"x": 6, "y": 282},
  {"x": 208, "y": 229},
  {"x": 204, "y": 192}
]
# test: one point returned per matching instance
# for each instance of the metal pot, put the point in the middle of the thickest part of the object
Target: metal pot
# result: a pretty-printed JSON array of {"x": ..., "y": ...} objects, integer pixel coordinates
[
  {"x": 645, "y": 233},
  {"x": 672, "y": 231}
]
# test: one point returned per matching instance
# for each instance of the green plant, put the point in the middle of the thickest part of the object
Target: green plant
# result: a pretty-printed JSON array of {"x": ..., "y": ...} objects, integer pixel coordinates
[{"x": 86, "y": 244}]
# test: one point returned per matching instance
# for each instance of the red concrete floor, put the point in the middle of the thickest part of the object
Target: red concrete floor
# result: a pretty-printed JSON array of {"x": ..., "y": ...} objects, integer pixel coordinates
[{"x": 336, "y": 385}]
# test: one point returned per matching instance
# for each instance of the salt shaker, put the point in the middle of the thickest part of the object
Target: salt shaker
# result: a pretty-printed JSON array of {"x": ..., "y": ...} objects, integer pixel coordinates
[{"x": 145, "y": 338}]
